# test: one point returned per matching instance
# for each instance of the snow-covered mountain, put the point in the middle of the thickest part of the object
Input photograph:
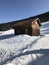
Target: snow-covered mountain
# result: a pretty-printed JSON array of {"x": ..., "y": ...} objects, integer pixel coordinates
[{"x": 25, "y": 49}]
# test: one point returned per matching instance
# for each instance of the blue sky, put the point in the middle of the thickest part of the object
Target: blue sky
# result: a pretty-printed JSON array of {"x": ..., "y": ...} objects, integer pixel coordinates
[{"x": 11, "y": 10}]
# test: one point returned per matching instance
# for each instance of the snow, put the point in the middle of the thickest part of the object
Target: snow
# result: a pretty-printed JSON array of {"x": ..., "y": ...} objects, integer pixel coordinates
[
  {"x": 10, "y": 64},
  {"x": 25, "y": 49},
  {"x": 45, "y": 28}
]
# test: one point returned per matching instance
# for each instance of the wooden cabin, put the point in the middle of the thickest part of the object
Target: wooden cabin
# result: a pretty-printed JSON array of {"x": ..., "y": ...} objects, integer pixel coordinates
[{"x": 28, "y": 27}]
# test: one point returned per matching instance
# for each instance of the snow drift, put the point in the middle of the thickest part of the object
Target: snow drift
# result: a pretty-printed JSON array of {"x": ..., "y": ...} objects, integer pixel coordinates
[{"x": 25, "y": 49}]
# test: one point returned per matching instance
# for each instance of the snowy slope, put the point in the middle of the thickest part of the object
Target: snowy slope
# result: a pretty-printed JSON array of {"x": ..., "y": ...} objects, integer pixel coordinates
[{"x": 25, "y": 49}]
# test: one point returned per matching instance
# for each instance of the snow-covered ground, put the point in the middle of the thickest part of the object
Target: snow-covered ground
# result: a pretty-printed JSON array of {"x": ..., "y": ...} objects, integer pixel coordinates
[{"x": 25, "y": 49}]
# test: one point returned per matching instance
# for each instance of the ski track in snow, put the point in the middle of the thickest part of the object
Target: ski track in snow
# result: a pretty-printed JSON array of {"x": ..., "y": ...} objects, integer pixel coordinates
[{"x": 25, "y": 49}]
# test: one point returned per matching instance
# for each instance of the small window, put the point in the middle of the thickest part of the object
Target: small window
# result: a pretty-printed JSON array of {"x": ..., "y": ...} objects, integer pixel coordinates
[
  {"x": 26, "y": 30},
  {"x": 18, "y": 31}
]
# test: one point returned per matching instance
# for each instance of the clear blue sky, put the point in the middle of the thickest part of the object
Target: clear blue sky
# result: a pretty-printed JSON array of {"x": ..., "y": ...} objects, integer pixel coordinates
[{"x": 11, "y": 10}]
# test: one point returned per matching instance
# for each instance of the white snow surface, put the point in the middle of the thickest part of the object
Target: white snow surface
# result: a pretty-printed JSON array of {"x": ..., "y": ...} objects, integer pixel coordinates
[{"x": 25, "y": 49}]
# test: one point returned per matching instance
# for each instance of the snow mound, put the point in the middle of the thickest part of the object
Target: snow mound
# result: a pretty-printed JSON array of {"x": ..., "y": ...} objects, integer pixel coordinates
[{"x": 25, "y": 49}]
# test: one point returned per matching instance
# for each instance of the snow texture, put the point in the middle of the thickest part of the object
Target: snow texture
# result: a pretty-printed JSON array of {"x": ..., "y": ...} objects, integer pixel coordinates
[{"x": 24, "y": 49}]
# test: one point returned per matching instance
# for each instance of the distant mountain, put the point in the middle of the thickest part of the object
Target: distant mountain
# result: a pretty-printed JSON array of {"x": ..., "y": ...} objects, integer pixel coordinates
[{"x": 43, "y": 17}]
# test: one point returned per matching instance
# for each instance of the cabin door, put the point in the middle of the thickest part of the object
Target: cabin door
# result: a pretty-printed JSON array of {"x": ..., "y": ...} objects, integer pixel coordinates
[{"x": 28, "y": 31}]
